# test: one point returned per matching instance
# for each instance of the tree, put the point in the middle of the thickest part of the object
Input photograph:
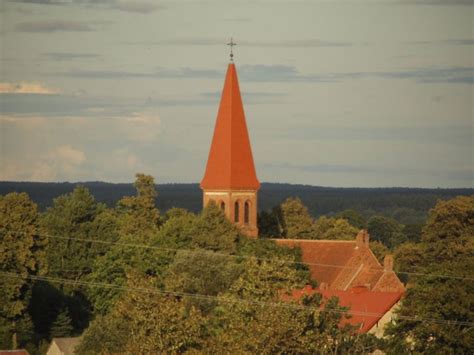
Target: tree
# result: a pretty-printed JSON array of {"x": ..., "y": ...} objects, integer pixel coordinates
[
  {"x": 443, "y": 305},
  {"x": 21, "y": 255},
  {"x": 213, "y": 231},
  {"x": 294, "y": 219},
  {"x": 145, "y": 321},
  {"x": 62, "y": 326},
  {"x": 140, "y": 212},
  {"x": 386, "y": 230},
  {"x": 204, "y": 273},
  {"x": 268, "y": 226},
  {"x": 252, "y": 317},
  {"x": 379, "y": 250},
  {"x": 333, "y": 229},
  {"x": 354, "y": 218},
  {"x": 77, "y": 216}
]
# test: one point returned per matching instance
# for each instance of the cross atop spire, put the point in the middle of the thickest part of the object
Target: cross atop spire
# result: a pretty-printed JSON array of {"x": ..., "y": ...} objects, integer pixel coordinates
[{"x": 231, "y": 44}]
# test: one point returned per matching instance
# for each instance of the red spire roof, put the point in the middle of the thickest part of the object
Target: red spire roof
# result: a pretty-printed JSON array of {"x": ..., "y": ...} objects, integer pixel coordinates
[{"x": 230, "y": 163}]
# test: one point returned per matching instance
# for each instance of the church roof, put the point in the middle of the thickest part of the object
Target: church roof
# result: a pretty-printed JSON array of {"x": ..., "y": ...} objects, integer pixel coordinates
[
  {"x": 344, "y": 264},
  {"x": 230, "y": 164},
  {"x": 366, "y": 307}
]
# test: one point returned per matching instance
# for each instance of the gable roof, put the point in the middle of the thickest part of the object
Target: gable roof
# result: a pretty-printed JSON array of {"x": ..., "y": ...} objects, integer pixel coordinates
[
  {"x": 345, "y": 264},
  {"x": 66, "y": 345},
  {"x": 366, "y": 307},
  {"x": 230, "y": 164}
]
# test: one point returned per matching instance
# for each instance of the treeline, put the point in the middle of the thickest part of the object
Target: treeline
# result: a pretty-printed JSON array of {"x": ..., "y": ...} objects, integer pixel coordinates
[
  {"x": 406, "y": 205},
  {"x": 131, "y": 278}
]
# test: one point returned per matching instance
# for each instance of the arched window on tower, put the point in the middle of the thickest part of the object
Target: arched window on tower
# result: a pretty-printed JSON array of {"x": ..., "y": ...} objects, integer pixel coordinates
[
  {"x": 223, "y": 206},
  {"x": 236, "y": 211},
  {"x": 247, "y": 212}
]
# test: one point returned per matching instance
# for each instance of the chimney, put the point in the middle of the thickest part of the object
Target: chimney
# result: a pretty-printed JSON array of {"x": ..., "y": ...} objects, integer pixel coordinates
[
  {"x": 362, "y": 238},
  {"x": 388, "y": 263}
]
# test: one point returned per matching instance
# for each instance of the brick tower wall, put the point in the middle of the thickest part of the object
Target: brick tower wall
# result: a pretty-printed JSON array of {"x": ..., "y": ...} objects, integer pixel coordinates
[{"x": 227, "y": 201}]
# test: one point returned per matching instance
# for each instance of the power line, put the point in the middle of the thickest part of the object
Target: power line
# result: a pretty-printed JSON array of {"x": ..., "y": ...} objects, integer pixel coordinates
[
  {"x": 196, "y": 251},
  {"x": 238, "y": 300}
]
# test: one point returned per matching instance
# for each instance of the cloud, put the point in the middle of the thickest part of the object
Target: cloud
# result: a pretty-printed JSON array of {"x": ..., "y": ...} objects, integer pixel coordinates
[
  {"x": 141, "y": 7},
  {"x": 70, "y": 155},
  {"x": 26, "y": 88},
  {"x": 36, "y": 148},
  {"x": 283, "y": 73},
  {"x": 53, "y": 165},
  {"x": 159, "y": 73},
  {"x": 137, "y": 7},
  {"x": 448, "y": 42},
  {"x": 50, "y": 26},
  {"x": 303, "y": 43},
  {"x": 437, "y": 2},
  {"x": 61, "y": 56}
]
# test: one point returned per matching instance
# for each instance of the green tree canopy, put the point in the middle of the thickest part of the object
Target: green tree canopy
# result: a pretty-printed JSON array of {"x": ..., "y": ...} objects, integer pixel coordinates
[
  {"x": 333, "y": 229},
  {"x": 354, "y": 218},
  {"x": 294, "y": 219},
  {"x": 443, "y": 304},
  {"x": 21, "y": 255},
  {"x": 386, "y": 230},
  {"x": 62, "y": 326},
  {"x": 140, "y": 212},
  {"x": 145, "y": 322}
]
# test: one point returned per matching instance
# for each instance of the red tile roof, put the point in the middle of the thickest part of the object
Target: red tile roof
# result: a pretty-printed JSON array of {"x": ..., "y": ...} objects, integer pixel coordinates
[
  {"x": 14, "y": 352},
  {"x": 230, "y": 164},
  {"x": 342, "y": 265},
  {"x": 366, "y": 307}
]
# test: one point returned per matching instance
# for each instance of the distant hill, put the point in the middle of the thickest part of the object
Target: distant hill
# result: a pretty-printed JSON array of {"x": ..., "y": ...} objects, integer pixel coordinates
[{"x": 407, "y": 205}]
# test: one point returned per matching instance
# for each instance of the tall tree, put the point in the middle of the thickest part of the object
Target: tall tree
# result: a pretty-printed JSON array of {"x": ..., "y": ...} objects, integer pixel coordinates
[
  {"x": 354, "y": 218},
  {"x": 77, "y": 216},
  {"x": 62, "y": 326},
  {"x": 386, "y": 230},
  {"x": 21, "y": 255},
  {"x": 443, "y": 305},
  {"x": 145, "y": 322},
  {"x": 294, "y": 219},
  {"x": 139, "y": 212},
  {"x": 333, "y": 229}
]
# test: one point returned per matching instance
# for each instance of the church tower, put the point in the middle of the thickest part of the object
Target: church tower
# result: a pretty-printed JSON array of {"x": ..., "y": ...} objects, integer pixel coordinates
[{"x": 230, "y": 179}]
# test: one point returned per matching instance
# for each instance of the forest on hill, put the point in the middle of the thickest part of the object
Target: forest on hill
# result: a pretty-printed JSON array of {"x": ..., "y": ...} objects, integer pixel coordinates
[
  {"x": 129, "y": 277},
  {"x": 406, "y": 205}
]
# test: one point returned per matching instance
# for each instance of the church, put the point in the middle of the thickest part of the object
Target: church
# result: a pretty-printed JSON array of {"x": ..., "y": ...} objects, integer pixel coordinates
[{"x": 345, "y": 269}]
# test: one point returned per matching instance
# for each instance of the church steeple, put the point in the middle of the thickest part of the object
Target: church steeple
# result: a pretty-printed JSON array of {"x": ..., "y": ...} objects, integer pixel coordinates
[{"x": 230, "y": 179}]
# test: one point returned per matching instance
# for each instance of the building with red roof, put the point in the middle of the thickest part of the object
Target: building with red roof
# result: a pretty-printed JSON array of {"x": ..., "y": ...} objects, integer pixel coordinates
[
  {"x": 230, "y": 179},
  {"x": 346, "y": 269}
]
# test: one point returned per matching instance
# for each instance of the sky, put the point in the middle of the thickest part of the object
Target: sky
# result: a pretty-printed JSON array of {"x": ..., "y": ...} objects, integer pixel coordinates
[{"x": 336, "y": 93}]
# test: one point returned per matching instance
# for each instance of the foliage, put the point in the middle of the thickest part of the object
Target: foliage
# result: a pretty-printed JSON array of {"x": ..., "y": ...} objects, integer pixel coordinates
[
  {"x": 77, "y": 216},
  {"x": 213, "y": 231},
  {"x": 252, "y": 317},
  {"x": 62, "y": 326},
  {"x": 354, "y": 218},
  {"x": 139, "y": 212},
  {"x": 294, "y": 219},
  {"x": 333, "y": 229},
  {"x": 386, "y": 230},
  {"x": 379, "y": 250},
  {"x": 447, "y": 248},
  {"x": 268, "y": 226},
  {"x": 203, "y": 273},
  {"x": 144, "y": 321},
  {"x": 21, "y": 255}
]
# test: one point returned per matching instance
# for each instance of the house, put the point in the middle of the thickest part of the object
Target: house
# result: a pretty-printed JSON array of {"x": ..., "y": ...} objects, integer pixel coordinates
[{"x": 348, "y": 269}]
